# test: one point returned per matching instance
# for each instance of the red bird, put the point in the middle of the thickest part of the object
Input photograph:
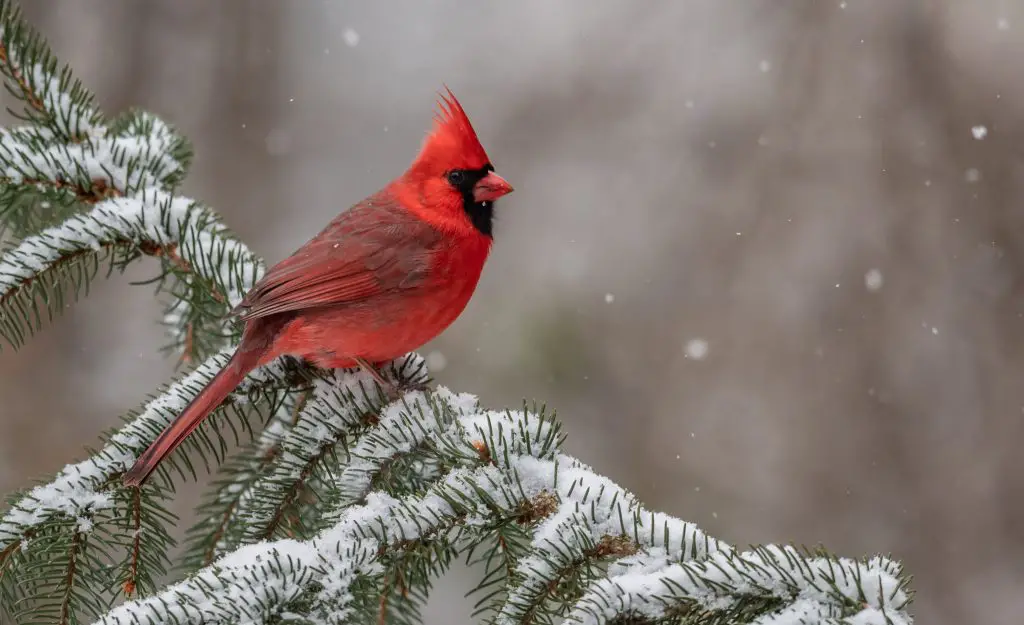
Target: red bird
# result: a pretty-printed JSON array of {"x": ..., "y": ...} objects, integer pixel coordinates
[{"x": 382, "y": 279}]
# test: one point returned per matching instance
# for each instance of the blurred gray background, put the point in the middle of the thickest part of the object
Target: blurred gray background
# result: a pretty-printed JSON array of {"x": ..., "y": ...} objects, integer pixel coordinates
[{"x": 757, "y": 257}]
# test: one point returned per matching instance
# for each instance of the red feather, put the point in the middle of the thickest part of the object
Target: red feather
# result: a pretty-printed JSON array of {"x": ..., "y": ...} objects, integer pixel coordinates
[{"x": 375, "y": 247}]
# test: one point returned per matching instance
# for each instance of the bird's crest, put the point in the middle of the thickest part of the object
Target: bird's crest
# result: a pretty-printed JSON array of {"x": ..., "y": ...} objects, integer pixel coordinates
[{"x": 453, "y": 140}]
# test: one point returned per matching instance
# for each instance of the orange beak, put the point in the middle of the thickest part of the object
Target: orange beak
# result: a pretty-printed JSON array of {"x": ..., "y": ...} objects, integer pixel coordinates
[{"x": 490, "y": 187}]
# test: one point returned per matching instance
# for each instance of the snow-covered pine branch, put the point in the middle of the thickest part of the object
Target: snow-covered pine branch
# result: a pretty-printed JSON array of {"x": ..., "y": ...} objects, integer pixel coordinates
[
  {"x": 119, "y": 230},
  {"x": 351, "y": 501},
  {"x": 81, "y": 191},
  {"x": 505, "y": 467}
]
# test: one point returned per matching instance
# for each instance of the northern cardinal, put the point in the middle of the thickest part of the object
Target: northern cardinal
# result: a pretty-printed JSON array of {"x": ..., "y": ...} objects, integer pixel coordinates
[{"x": 382, "y": 279}]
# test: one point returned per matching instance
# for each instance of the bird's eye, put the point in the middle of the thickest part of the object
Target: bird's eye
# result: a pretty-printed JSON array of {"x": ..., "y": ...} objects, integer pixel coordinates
[{"x": 456, "y": 177}]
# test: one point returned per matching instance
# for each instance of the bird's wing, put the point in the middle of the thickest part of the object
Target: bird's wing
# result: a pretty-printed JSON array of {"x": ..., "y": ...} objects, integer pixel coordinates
[{"x": 375, "y": 247}]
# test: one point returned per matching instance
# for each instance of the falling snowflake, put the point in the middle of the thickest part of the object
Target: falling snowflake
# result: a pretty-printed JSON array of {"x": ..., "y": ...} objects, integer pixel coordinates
[
  {"x": 436, "y": 361},
  {"x": 696, "y": 349},
  {"x": 979, "y": 132},
  {"x": 873, "y": 280},
  {"x": 972, "y": 175},
  {"x": 765, "y": 65},
  {"x": 608, "y": 298},
  {"x": 351, "y": 37},
  {"x": 1003, "y": 24}
]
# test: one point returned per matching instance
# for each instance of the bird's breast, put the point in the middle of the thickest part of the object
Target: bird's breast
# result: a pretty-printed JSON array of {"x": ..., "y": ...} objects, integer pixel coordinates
[{"x": 391, "y": 324}]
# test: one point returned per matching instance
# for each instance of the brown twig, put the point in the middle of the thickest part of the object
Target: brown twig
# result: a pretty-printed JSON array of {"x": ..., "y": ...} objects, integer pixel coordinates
[
  {"x": 382, "y": 613},
  {"x": 69, "y": 579},
  {"x": 218, "y": 533},
  {"x": 299, "y": 405},
  {"x": 150, "y": 248},
  {"x": 97, "y": 191},
  {"x": 170, "y": 252},
  {"x": 186, "y": 349},
  {"x": 503, "y": 544},
  {"x": 30, "y": 96},
  {"x": 133, "y": 567},
  {"x": 6, "y": 556},
  {"x": 27, "y": 282},
  {"x": 291, "y": 496}
]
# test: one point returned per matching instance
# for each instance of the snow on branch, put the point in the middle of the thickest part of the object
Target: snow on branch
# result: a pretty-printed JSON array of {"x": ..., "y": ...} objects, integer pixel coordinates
[
  {"x": 827, "y": 589},
  {"x": 125, "y": 171},
  {"x": 154, "y": 223},
  {"x": 51, "y": 97},
  {"x": 102, "y": 163},
  {"x": 505, "y": 465},
  {"x": 82, "y": 489},
  {"x": 342, "y": 405}
]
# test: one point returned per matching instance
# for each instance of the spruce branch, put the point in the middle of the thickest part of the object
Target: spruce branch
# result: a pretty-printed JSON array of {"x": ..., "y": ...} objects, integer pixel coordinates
[
  {"x": 68, "y": 157},
  {"x": 725, "y": 587},
  {"x": 214, "y": 266},
  {"x": 208, "y": 538},
  {"x": 53, "y": 98},
  {"x": 82, "y": 489}
]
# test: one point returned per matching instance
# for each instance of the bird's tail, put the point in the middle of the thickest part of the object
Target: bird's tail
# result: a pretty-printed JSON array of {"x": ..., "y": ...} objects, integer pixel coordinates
[{"x": 198, "y": 409}]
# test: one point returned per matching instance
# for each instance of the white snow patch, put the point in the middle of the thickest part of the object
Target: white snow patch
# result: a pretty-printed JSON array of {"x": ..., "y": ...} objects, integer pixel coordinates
[
  {"x": 697, "y": 349},
  {"x": 873, "y": 279},
  {"x": 436, "y": 360}
]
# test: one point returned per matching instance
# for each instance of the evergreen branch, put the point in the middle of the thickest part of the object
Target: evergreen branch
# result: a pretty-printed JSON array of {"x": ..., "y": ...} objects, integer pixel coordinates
[
  {"x": 11, "y": 557},
  {"x": 139, "y": 529},
  {"x": 404, "y": 426},
  {"x": 25, "y": 210},
  {"x": 592, "y": 510},
  {"x": 342, "y": 404},
  {"x": 20, "y": 297},
  {"x": 722, "y": 589},
  {"x": 100, "y": 167},
  {"x": 88, "y": 192},
  {"x": 175, "y": 229},
  {"x": 87, "y": 487},
  {"x": 59, "y": 571},
  {"x": 52, "y": 97},
  {"x": 208, "y": 537},
  {"x": 302, "y": 451},
  {"x": 27, "y": 93},
  {"x": 507, "y": 545},
  {"x": 69, "y": 578},
  {"x": 512, "y": 486}
]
